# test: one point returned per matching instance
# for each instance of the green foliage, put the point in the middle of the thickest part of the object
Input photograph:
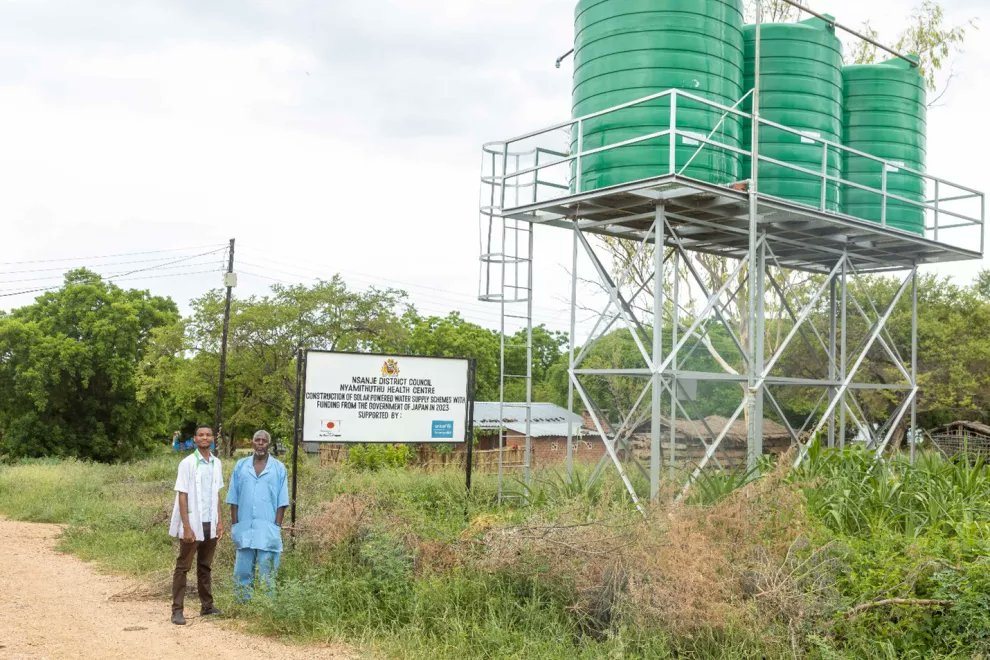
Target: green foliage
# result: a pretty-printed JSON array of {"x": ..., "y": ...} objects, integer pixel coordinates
[
  {"x": 855, "y": 495},
  {"x": 265, "y": 332},
  {"x": 452, "y": 336},
  {"x": 953, "y": 351},
  {"x": 408, "y": 581},
  {"x": 555, "y": 488},
  {"x": 69, "y": 366},
  {"x": 389, "y": 565},
  {"x": 926, "y": 35},
  {"x": 712, "y": 486},
  {"x": 374, "y": 457}
]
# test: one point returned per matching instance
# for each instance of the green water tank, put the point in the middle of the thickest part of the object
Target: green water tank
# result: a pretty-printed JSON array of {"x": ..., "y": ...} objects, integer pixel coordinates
[
  {"x": 800, "y": 87},
  {"x": 628, "y": 49},
  {"x": 884, "y": 115}
]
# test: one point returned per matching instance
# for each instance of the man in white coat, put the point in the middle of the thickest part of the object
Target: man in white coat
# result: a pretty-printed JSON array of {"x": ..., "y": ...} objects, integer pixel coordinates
[{"x": 196, "y": 522}]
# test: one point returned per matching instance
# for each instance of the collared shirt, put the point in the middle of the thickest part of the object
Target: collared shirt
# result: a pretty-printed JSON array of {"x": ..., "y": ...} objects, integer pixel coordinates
[
  {"x": 258, "y": 497},
  {"x": 204, "y": 481},
  {"x": 186, "y": 481}
]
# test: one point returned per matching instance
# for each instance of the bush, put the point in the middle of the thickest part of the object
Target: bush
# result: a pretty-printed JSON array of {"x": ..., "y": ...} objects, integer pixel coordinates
[{"x": 375, "y": 457}]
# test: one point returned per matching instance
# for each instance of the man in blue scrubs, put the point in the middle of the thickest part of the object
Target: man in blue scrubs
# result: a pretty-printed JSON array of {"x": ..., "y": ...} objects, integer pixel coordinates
[{"x": 258, "y": 497}]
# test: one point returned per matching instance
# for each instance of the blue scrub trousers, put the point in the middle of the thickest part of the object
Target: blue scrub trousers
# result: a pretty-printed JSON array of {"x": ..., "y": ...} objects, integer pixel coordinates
[{"x": 245, "y": 563}]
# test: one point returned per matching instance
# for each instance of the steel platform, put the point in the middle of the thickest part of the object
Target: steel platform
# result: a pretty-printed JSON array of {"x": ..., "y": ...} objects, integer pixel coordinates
[{"x": 715, "y": 219}]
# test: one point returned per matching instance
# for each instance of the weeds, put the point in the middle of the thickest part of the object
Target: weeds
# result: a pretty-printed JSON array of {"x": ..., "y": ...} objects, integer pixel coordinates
[{"x": 821, "y": 561}]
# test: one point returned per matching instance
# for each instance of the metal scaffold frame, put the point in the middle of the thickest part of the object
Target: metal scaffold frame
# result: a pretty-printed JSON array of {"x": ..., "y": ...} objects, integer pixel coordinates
[{"x": 671, "y": 219}]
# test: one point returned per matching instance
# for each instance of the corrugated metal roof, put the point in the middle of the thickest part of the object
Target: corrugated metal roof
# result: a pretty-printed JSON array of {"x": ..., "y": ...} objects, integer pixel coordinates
[
  {"x": 486, "y": 413},
  {"x": 548, "y": 430},
  {"x": 546, "y": 419}
]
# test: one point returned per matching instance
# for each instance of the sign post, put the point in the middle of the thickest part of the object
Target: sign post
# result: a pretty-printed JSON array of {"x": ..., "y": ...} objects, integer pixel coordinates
[
  {"x": 296, "y": 431},
  {"x": 381, "y": 398},
  {"x": 395, "y": 399},
  {"x": 469, "y": 431}
]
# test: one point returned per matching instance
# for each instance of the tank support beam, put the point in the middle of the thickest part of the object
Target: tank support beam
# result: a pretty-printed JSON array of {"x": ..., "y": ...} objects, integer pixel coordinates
[{"x": 670, "y": 326}]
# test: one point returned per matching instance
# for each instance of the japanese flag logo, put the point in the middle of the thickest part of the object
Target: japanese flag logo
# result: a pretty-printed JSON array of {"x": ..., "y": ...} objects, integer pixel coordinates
[{"x": 329, "y": 428}]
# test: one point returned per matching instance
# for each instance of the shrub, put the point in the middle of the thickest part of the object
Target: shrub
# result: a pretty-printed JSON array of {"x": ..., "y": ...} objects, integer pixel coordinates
[{"x": 375, "y": 457}]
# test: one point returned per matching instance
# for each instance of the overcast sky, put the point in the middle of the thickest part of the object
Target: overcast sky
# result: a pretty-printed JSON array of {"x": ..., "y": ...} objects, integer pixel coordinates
[{"x": 326, "y": 136}]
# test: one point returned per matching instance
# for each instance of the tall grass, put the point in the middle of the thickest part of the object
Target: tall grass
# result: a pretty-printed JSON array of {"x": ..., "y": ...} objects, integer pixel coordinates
[
  {"x": 853, "y": 493},
  {"x": 407, "y": 564}
]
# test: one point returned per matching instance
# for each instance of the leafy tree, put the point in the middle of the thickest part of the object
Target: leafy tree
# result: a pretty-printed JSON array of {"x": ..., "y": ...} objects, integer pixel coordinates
[
  {"x": 953, "y": 352},
  {"x": 926, "y": 35},
  {"x": 69, "y": 367},
  {"x": 982, "y": 285},
  {"x": 265, "y": 332},
  {"x": 452, "y": 336}
]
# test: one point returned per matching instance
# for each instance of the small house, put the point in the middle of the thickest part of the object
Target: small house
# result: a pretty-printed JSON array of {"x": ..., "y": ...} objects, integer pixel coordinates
[
  {"x": 691, "y": 439},
  {"x": 548, "y": 430}
]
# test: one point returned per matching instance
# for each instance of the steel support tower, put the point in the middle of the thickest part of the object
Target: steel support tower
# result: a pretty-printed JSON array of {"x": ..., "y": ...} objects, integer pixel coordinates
[{"x": 781, "y": 265}]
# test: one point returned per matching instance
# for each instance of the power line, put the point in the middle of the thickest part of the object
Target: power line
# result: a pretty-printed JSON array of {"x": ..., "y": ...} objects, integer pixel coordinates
[
  {"x": 110, "y": 256},
  {"x": 62, "y": 269},
  {"x": 109, "y": 279},
  {"x": 60, "y": 278},
  {"x": 169, "y": 263}
]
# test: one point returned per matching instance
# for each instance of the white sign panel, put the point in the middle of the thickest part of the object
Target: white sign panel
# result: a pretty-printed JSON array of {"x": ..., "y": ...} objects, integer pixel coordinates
[{"x": 352, "y": 397}]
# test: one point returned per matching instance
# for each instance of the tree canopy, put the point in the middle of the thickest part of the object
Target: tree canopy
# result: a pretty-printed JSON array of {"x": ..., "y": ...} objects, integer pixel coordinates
[
  {"x": 69, "y": 364},
  {"x": 98, "y": 372}
]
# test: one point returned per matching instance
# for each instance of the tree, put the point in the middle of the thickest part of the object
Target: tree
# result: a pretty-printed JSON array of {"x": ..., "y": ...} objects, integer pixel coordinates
[
  {"x": 452, "y": 336},
  {"x": 953, "y": 349},
  {"x": 774, "y": 11},
  {"x": 926, "y": 36},
  {"x": 69, "y": 366},
  {"x": 265, "y": 333}
]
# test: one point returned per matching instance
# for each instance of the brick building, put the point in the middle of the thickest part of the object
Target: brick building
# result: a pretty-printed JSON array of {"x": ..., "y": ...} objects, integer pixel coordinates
[{"x": 548, "y": 430}]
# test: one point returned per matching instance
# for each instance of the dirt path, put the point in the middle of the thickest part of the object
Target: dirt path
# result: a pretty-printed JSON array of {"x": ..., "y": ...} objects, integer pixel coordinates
[{"x": 53, "y": 605}]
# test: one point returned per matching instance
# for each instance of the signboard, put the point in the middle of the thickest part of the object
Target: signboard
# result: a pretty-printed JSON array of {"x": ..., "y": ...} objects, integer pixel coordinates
[{"x": 361, "y": 397}]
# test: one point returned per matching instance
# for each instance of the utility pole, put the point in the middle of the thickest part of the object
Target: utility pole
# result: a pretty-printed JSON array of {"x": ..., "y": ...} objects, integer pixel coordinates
[{"x": 230, "y": 281}]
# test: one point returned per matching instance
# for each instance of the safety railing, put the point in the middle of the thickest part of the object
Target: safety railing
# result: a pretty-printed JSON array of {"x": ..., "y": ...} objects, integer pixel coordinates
[{"x": 549, "y": 164}]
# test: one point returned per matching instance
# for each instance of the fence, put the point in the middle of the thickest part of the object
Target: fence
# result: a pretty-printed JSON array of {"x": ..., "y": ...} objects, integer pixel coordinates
[
  {"x": 429, "y": 457},
  {"x": 961, "y": 442}
]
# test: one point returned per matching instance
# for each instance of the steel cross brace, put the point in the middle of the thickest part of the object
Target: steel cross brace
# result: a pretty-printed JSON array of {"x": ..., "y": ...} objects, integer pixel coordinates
[{"x": 843, "y": 388}]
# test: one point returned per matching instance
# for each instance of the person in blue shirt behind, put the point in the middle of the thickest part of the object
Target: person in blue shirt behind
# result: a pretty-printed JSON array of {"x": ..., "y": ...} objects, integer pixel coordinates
[
  {"x": 189, "y": 443},
  {"x": 258, "y": 497}
]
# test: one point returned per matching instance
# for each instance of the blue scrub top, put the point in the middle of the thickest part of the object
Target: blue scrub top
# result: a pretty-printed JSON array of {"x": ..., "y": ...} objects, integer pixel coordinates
[{"x": 257, "y": 497}]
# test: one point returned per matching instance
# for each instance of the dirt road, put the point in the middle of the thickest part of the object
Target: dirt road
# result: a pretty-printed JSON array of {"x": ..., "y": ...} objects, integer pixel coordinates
[{"x": 53, "y": 605}]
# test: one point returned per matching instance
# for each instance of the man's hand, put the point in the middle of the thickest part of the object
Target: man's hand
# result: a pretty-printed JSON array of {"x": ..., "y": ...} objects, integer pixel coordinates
[
  {"x": 219, "y": 530},
  {"x": 187, "y": 534}
]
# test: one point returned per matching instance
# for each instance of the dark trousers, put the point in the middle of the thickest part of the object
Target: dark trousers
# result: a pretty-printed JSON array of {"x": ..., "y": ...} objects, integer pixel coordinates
[{"x": 203, "y": 551}]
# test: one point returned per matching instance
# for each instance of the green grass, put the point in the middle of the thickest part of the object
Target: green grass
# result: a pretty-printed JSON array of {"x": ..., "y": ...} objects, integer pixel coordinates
[{"x": 890, "y": 530}]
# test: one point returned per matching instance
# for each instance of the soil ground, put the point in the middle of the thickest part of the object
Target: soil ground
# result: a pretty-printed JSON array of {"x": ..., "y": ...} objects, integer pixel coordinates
[{"x": 53, "y": 605}]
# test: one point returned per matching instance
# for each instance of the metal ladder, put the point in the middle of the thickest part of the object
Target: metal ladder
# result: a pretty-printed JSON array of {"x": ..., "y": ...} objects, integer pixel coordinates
[{"x": 506, "y": 278}]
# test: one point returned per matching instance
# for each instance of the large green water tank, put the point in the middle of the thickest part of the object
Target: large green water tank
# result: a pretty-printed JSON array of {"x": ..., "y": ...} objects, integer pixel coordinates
[
  {"x": 800, "y": 87},
  {"x": 884, "y": 116},
  {"x": 628, "y": 49}
]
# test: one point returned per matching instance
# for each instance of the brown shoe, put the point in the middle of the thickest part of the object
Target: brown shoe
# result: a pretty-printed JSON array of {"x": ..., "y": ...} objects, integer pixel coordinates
[
  {"x": 209, "y": 610},
  {"x": 178, "y": 619}
]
